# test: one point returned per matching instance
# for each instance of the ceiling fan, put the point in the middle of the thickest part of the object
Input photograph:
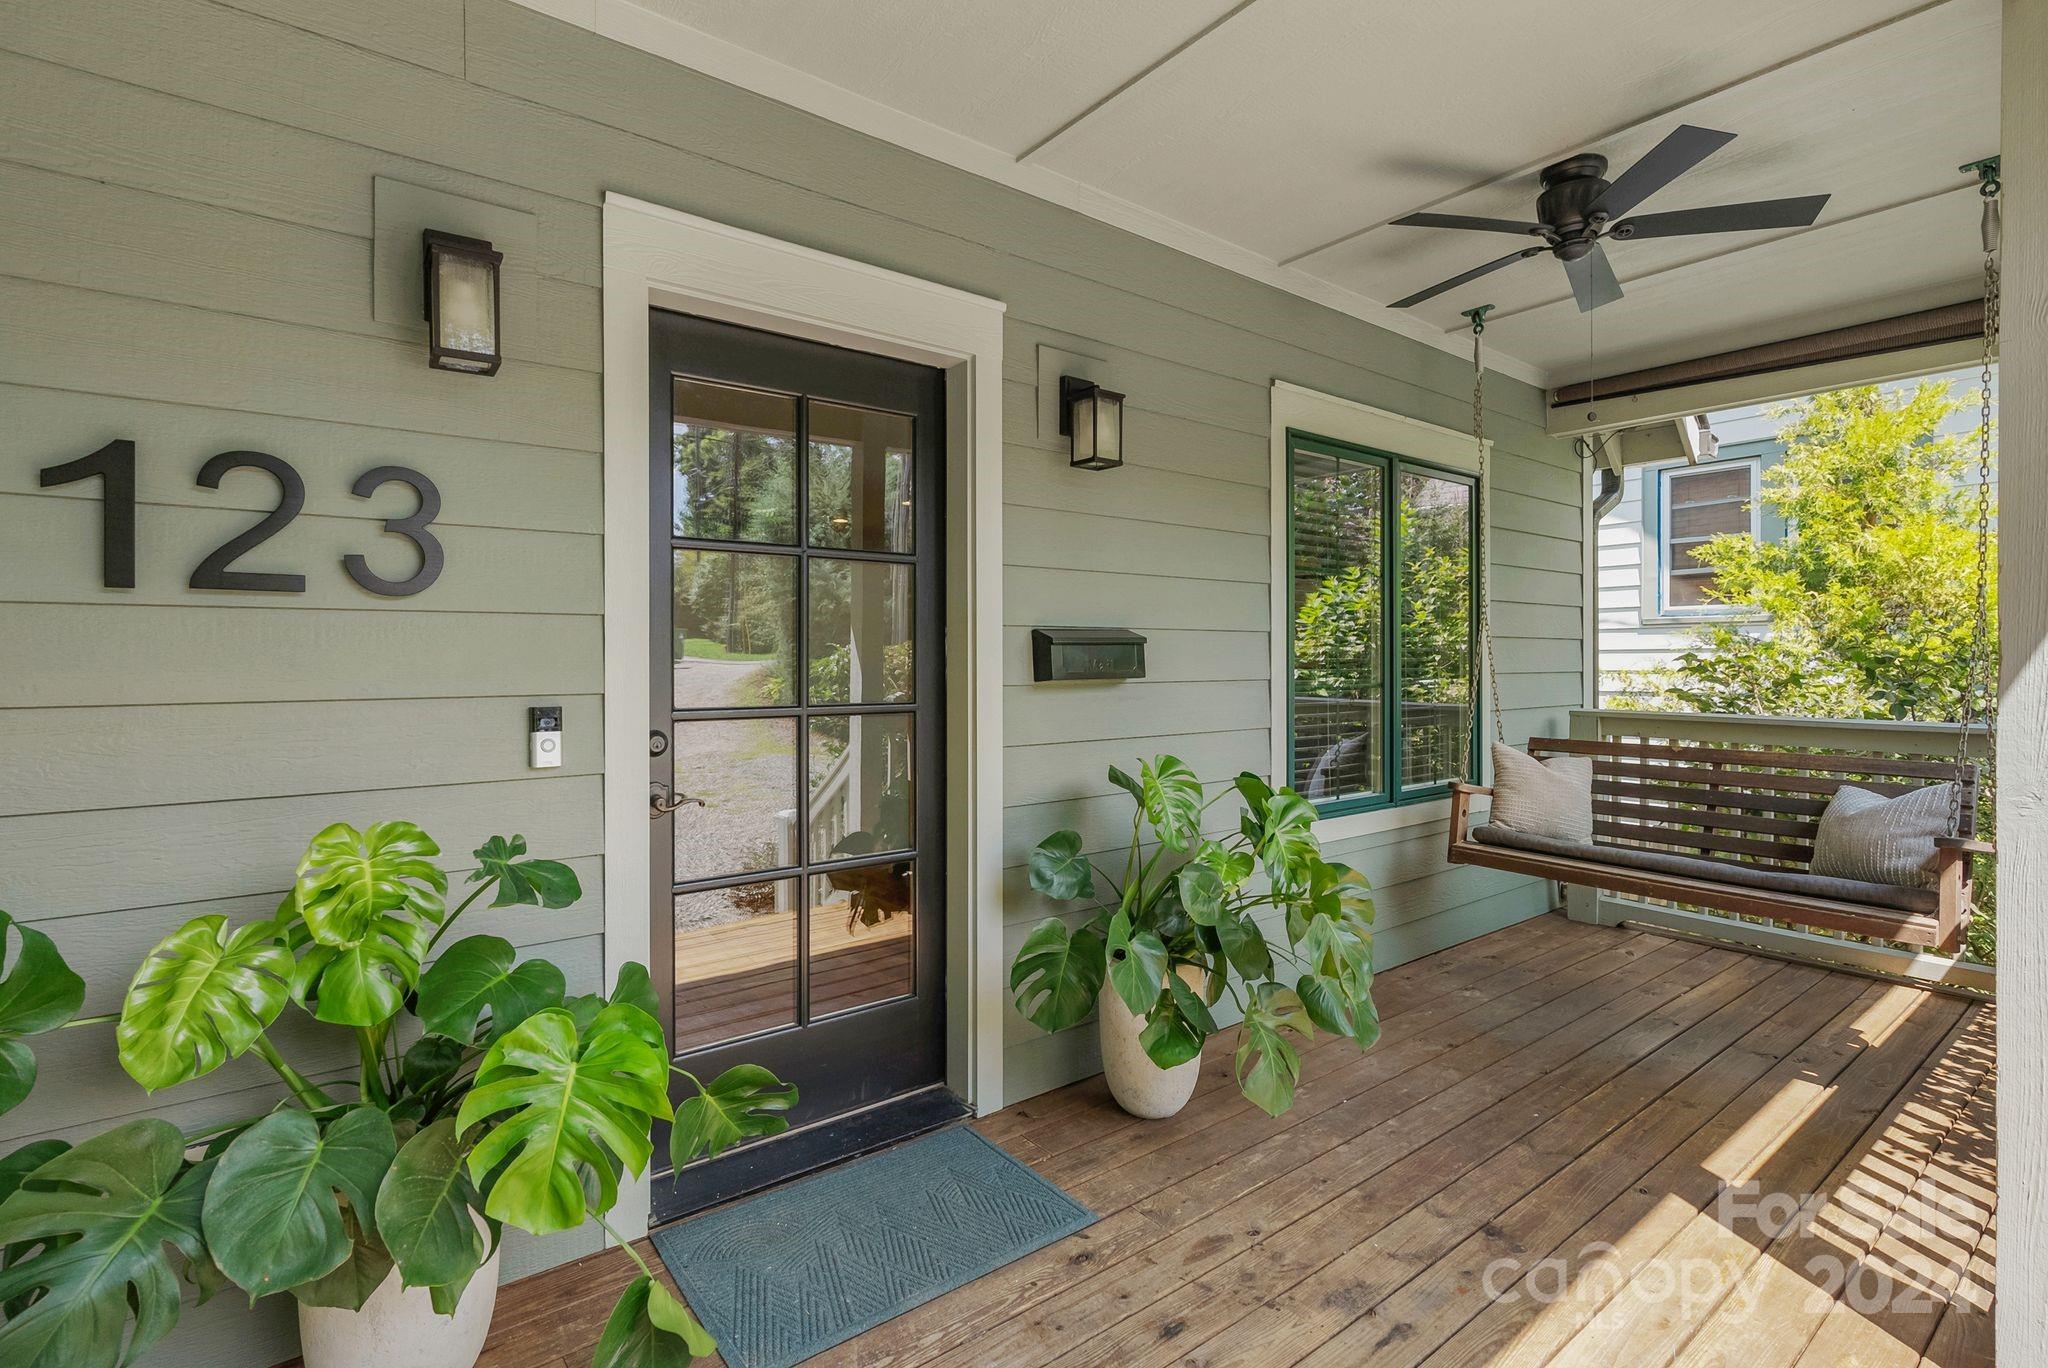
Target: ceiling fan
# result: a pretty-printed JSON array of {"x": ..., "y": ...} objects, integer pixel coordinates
[{"x": 1579, "y": 209}]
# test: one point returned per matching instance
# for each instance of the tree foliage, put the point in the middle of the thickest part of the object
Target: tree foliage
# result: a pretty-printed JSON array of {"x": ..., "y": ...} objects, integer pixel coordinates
[{"x": 1871, "y": 594}]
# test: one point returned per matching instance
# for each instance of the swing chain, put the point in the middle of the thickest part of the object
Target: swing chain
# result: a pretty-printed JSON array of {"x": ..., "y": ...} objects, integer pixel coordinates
[
  {"x": 1980, "y": 689},
  {"x": 1478, "y": 317}
]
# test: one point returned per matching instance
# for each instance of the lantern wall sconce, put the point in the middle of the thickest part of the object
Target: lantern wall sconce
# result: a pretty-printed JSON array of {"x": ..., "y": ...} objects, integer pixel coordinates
[
  {"x": 462, "y": 303},
  {"x": 1092, "y": 421}
]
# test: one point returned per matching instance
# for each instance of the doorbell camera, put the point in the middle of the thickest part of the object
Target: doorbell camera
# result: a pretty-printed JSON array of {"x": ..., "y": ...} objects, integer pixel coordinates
[{"x": 544, "y": 732}]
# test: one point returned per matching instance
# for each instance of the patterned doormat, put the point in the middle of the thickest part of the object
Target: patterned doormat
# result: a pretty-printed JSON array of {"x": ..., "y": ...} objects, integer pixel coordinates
[{"x": 798, "y": 1269}]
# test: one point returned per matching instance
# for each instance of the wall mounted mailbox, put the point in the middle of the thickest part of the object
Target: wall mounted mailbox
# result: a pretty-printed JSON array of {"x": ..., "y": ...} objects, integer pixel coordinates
[{"x": 1086, "y": 653}]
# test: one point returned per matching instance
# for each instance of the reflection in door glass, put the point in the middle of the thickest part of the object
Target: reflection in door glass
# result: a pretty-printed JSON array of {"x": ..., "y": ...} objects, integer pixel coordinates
[
  {"x": 860, "y": 495},
  {"x": 863, "y": 936},
  {"x": 734, "y": 463},
  {"x": 745, "y": 771},
  {"x": 861, "y": 621},
  {"x": 735, "y": 629},
  {"x": 860, "y": 785},
  {"x": 735, "y": 962}
]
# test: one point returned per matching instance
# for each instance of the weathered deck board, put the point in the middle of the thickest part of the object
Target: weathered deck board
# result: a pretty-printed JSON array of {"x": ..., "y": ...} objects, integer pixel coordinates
[{"x": 1552, "y": 1101}]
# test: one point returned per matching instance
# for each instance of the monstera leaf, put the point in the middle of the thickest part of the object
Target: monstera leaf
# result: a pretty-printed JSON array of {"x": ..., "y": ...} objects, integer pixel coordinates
[
  {"x": 349, "y": 879},
  {"x": 38, "y": 992},
  {"x": 558, "y": 1098},
  {"x": 1057, "y": 974},
  {"x": 362, "y": 984},
  {"x": 529, "y": 883},
  {"x": 201, "y": 997},
  {"x": 1172, "y": 799},
  {"x": 1137, "y": 964},
  {"x": 1244, "y": 945},
  {"x": 1058, "y": 869},
  {"x": 93, "y": 1222},
  {"x": 26, "y": 1160},
  {"x": 477, "y": 975},
  {"x": 1201, "y": 892},
  {"x": 349, "y": 1284},
  {"x": 743, "y": 1102},
  {"x": 1176, "y": 1026},
  {"x": 367, "y": 903},
  {"x": 272, "y": 1221},
  {"x": 649, "y": 1328},
  {"x": 423, "y": 1210},
  {"x": 1268, "y": 1066}
]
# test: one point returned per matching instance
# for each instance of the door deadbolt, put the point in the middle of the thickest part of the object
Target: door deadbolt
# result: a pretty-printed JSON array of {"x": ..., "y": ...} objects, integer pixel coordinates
[{"x": 657, "y": 743}]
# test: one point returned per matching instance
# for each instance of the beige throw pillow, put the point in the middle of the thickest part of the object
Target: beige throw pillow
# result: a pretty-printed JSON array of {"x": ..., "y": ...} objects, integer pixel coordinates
[
  {"x": 1551, "y": 797},
  {"x": 1874, "y": 839}
]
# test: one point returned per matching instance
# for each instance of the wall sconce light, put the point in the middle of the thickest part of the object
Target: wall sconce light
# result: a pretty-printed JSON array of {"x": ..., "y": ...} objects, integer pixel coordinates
[
  {"x": 1092, "y": 420},
  {"x": 462, "y": 303}
]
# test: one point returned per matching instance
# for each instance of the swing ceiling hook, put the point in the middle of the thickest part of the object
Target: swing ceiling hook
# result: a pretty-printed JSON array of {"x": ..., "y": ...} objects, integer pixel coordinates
[
  {"x": 1478, "y": 316},
  {"x": 1986, "y": 171}
]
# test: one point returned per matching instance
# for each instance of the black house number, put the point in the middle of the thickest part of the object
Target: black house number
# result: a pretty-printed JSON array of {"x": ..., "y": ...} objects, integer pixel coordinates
[{"x": 114, "y": 466}]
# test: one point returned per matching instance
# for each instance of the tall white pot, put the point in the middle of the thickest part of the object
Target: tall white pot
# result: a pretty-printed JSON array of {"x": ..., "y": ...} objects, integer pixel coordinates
[
  {"x": 398, "y": 1327},
  {"x": 1139, "y": 1086}
]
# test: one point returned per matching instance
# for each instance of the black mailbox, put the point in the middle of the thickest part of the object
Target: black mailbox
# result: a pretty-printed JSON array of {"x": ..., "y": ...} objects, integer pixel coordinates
[{"x": 1086, "y": 653}]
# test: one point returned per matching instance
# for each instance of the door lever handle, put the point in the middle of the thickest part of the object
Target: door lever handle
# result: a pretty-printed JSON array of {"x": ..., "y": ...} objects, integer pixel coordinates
[{"x": 661, "y": 802}]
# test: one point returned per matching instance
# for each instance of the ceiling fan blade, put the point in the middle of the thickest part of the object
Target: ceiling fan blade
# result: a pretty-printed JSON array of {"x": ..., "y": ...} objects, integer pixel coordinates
[
  {"x": 1685, "y": 147},
  {"x": 1724, "y": 218},
  {"x": 1455, "y": 281},
  {"x": 1593, "y": 282},
  {"x": 1480, "y": 225}
]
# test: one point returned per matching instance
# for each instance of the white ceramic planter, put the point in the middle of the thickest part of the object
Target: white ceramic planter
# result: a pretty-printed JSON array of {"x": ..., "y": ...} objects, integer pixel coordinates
[
  {"x": 398, "y": 1327},
  {"x": 1139, "y": 1086}
]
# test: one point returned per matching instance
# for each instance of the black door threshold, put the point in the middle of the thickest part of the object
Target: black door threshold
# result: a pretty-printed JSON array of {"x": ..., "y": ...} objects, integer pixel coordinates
[{"x": 764, "y": 1164}]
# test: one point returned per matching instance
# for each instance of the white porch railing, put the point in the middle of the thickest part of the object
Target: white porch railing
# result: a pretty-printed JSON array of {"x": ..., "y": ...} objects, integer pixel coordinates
[{"x": 1912, "y": 740}]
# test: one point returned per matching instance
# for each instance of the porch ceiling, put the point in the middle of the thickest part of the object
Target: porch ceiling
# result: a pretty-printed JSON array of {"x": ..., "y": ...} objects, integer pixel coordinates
[{"x": 1278, "y": 137}]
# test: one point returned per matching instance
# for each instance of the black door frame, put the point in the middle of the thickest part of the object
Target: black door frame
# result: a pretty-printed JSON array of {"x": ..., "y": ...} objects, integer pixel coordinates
[{"x": 840, "y": 1069}]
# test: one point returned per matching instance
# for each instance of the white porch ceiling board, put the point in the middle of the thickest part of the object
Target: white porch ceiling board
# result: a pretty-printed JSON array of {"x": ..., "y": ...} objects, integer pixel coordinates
[
  {"x": 1302, "y": 120},
  {"x": 1920, "y": 256},
  {"x": 1250, "y": 133},
  {"x": 1876, "y": 122},
  {"x": 1002, "y": 72}
]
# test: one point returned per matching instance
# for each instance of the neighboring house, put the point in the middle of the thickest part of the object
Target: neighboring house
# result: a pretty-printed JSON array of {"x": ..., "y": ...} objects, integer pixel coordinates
[{"x": 1652, "y": 595}]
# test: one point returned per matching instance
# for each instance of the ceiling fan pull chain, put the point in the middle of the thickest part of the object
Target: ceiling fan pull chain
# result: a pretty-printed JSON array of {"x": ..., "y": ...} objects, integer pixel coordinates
[{"x": 1483, "y": 551}]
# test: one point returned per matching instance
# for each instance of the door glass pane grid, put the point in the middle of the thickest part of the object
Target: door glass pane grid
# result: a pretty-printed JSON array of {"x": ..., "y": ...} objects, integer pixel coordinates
[{"x": 823, "y": 927}]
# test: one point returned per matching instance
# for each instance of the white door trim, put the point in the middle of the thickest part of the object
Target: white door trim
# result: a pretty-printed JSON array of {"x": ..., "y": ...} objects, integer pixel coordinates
[{"x": 655, "y": 256}]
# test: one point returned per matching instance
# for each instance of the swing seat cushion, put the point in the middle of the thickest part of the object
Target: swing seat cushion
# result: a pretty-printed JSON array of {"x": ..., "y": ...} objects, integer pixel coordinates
[{"x": 1923, "y": 901}]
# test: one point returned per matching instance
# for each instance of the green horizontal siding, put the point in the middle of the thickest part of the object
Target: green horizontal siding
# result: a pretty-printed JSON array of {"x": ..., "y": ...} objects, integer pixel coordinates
[{"x": 186, "y": 224}]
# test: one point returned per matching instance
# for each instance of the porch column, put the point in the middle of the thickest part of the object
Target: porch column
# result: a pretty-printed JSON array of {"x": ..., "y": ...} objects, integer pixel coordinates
[{"x": 2023, "y": 744}]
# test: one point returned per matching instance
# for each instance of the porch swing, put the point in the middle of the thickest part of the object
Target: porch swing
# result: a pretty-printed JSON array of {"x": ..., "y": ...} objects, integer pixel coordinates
[{"x": 1732, "y": 829}]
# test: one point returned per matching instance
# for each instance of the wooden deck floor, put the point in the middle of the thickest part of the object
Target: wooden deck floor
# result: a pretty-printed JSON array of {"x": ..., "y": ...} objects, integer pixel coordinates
[{"x": 1542, "y": 1162}]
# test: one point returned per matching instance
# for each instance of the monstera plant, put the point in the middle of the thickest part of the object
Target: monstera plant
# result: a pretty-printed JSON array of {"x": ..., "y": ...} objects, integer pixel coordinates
[
  {"x": 482, "y": 1095},
  {"x": 1258, "y": 915}
]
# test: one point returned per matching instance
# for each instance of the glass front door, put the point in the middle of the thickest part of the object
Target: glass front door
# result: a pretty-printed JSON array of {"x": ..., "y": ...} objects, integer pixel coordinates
[{"x": 795, "y": 736}]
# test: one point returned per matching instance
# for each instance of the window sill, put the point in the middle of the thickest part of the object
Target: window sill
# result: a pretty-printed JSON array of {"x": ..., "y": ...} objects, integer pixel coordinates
[
  {"x": 1355, "y": 824},
  {"x": 1685, "y": 619}
]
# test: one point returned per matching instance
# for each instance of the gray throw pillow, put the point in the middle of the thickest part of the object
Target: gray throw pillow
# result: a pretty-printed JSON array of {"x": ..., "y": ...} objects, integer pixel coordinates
[
  {"x": 1875, "y": 839},
  {"x": 1551, "y": 797}
]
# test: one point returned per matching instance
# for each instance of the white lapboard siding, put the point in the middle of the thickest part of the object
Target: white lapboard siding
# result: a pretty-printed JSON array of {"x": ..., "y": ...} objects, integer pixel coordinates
[{"x": 186, "y": 247}]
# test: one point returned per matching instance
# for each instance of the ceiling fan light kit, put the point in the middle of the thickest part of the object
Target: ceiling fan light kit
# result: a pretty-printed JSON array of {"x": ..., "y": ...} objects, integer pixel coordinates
[{"x": 1579, "y": 209}]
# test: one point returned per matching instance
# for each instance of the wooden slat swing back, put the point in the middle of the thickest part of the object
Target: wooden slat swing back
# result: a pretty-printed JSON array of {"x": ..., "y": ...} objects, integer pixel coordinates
[{"x": 1740, "y": 806}]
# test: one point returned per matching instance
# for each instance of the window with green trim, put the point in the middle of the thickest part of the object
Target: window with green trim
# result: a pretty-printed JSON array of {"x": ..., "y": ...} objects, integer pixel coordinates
[{"x": 1381, "y": 601}]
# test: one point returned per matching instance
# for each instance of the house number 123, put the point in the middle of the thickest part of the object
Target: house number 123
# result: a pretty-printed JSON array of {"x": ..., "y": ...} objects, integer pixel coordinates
[{"x": 114, "y": 466}]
